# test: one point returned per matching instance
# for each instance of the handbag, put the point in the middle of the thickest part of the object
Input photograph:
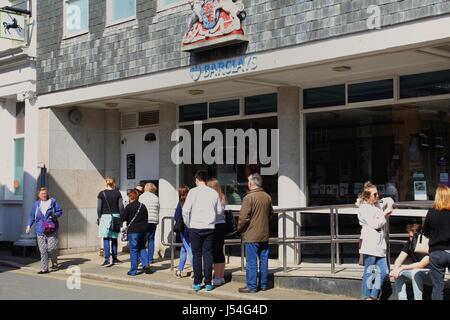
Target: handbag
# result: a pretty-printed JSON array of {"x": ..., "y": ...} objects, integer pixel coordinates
[
  {"x": 231, "y": 225},
  {"x": 422, "y": 244},
  {"x": 49, "y": 226},
  {"x": 124, "y": 231},
  {"x": 179, "y": 226},
  {"x": 116, "y": 223}
]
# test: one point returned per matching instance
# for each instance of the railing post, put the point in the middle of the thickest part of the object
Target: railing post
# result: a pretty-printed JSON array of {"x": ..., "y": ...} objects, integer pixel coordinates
[
  {"x": 172, "y": 251},
  {"x": 284, "y": 243},
  {"x": 295, "y": 237},
  {"x": 242, "y": 257},
  {"x": 338, "y": 251},
  {"x": 332, "y": 240},
  {"x": 388, "y": 243}
]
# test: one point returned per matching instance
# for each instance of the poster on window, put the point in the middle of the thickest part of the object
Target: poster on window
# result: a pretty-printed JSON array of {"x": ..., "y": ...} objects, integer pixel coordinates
[{"x": 420, "y": 190}]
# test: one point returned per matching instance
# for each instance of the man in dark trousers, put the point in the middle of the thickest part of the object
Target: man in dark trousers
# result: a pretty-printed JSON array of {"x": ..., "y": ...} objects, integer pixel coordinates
[{"x": 254, "y": 226}]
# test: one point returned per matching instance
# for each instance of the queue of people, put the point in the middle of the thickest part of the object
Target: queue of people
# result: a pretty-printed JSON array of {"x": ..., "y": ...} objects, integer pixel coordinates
[{"x": 201, "y": 211}]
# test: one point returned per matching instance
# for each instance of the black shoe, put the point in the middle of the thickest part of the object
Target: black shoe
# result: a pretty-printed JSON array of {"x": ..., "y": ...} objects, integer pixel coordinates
[
  {"x": 147, "y": 270},
  {"x": 106, "y": 264},
  {"x": 115, "y": 261},
  {"x": 55, "y": 267},
  {"x": 246, "y": 290},
  {"x": 43, "y": 272},
  {"x": 264, "y": 289}
]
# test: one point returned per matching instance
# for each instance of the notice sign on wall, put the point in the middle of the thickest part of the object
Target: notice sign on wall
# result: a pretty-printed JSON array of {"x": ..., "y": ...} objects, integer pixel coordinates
[
  {"x": 420, "y": 190},
  {"x": 12, "y": 26},
  {"x": 131, "y": 166}
]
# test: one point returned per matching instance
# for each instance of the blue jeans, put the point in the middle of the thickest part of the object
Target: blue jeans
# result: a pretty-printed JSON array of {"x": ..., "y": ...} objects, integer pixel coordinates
[
  {"x": 184, "y": 253},
  {"x": 201, "y": 241},
  {"x": 418, "y": 278},
  {"x": 151, "y": 241},
  {"x": 253, "y": 252},
  {"x": 107, "y": 249},
  {"x": 439, "y": 260},
  {"x": 375, "y": 271},
  {"x": 137, "y": 243}
]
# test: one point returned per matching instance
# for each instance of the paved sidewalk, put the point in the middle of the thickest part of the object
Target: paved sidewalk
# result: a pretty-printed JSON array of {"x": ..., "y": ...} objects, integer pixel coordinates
[{"x": 162, "y": 278}]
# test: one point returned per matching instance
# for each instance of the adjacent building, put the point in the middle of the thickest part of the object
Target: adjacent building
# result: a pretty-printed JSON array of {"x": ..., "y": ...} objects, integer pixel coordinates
[
  {"x": 358, "y": 90},
  {"x": 18, "y": 116}
]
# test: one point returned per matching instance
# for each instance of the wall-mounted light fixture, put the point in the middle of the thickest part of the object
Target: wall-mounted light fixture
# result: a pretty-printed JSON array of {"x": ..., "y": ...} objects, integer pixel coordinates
[
  {"x": 196, "y": 92},
  {"x": 342, "y": 68},
  {"x": 149, "y": 137}
]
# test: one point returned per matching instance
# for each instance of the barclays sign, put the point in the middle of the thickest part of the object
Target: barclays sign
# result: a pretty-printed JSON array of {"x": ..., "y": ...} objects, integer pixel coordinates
[{"x": 223, "y": 68}]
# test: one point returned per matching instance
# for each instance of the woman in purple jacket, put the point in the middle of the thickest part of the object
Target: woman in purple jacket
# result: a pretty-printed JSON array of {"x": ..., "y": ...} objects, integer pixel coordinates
[{"x": 44, "y": 214}]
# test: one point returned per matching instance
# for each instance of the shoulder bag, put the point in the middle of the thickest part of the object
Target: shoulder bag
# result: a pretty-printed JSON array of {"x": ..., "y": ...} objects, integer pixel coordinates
[
  {"x": 116, "y": 224},
  {"x": 422, "y": 244},
  {"x": 124, "y": 232}
]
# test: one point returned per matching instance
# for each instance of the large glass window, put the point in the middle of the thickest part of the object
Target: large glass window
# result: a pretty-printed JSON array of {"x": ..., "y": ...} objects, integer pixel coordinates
[
  {"x": 76, "y": 17},
  {"x": 20, "y": 117},
  {"x": 324, "y": 96},
  {"x": 425, "y": 84},
  {"x": 120, "y": 10},
  {"x": 192, "y": 112},
  {"x": 404, "y": 149},
  {"x": 371, "y": 91},
  {"x": 18, "y": 166},
  {"x": 166, "y": 4},
  {"x": 261, "y": 104},
  {"x": 224, "y": 108}
]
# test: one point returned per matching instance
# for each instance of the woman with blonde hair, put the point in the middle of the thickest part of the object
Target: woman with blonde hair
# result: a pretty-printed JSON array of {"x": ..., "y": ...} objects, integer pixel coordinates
[
  {"x": 372, "y": 213},
  {"x": 220, "y": 231},
  {"x": 44, "y": 214},
  {"x": 151, "y": 202},
  {"x": 109, "y": 208},
  {"x": 437, "y": 229}
]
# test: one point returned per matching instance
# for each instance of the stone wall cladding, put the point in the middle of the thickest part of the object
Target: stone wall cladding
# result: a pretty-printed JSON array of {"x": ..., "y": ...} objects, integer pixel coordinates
[{"x": 151, "y": 43}]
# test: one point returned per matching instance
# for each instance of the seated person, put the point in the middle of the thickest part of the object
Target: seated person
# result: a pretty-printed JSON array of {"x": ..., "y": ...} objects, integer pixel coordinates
[{"x": 411, "y": 266}]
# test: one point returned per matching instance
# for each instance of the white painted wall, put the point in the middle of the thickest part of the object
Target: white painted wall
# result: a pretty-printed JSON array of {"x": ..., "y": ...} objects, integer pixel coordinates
[{"x": 147, "y": 156}]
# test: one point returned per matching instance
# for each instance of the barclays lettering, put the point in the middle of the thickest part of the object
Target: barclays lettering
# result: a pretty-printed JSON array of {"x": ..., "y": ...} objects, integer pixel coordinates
[{"x": 223, "y": 68}]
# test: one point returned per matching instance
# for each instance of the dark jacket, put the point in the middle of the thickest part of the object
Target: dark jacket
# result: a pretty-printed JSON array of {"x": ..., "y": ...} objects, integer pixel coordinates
[
  {"x": 179, "y": 215},
  {"x": 140, "y": 224},
  {"x": 52, "y": 214},
  {"x": 437, "y": 229},
  {"x": 254, "y": 216}
]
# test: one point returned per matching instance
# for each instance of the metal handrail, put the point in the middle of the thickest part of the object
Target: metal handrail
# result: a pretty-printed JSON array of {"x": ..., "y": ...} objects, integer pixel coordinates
[{"x": 334, "y": 238}]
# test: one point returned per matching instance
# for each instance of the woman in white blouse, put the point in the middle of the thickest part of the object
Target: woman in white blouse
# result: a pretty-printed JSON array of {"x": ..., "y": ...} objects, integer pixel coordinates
[{"x": 372, "y": 213}]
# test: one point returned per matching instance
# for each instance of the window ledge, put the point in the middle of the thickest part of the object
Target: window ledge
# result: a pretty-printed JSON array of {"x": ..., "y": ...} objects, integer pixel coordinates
[
  {"x": 129, "y": 21},
  {"x": 11, "y": 202},
  {"x": 74, "y": 35}
]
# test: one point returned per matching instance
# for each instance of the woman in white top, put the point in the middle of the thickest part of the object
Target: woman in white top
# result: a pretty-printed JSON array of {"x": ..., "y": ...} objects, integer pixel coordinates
[
  {"x": 372, "y": 213},
  {"x": 220, "y": 231},
  {"x": 151, "y": 202}
]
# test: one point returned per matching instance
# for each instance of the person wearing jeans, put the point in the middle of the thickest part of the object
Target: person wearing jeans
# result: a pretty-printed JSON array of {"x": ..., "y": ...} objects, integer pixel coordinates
[
  {"x": 418, "y": 278},
  {"x": 200, "y": 209},
  {"x": 437, "y": 228},
  {"x": 135, "y": 215},
  {"x": 375, "y": 271},
  {"x": 109, "y": 207},
  {"x": 253, "y": 252},
  {"x": 186, "y": 250},
  {"x": 254, "y": 226},
  {"x": 372, "y": 213},
  {"x": 410, "y": 266},
  {"x": 151, "y": 202}
]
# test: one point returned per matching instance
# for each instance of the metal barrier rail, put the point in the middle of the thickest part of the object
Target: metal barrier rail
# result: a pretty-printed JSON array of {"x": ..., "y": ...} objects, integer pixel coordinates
[{"x": 334, "y": 238}]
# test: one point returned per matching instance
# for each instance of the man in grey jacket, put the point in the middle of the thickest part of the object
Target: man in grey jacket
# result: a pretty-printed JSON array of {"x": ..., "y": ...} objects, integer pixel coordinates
[{"x": 200, "y": 209}]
